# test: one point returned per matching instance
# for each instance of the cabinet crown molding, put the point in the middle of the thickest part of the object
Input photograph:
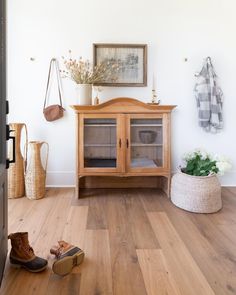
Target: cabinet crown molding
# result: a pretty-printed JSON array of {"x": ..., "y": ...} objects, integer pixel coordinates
[{"x": 123, "y": 105}]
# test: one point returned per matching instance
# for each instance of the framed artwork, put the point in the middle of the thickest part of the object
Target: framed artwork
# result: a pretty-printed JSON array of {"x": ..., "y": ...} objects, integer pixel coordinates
[{"x": 131, "y": 60}]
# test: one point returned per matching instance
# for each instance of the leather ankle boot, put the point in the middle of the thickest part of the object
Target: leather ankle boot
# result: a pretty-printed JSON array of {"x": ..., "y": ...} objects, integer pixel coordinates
[
  {"x": 67, "y": 256},
  {"x": 22, "y": 255}
]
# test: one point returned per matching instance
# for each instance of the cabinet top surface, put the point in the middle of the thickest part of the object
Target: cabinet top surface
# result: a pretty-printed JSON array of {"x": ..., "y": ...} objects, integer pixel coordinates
[{"x": 123, "y": 105}]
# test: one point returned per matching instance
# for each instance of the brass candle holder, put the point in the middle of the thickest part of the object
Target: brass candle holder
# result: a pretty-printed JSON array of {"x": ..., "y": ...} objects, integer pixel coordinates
[
  {"x": 154, "y": 97},
  {"x": 96, "y": 99}
]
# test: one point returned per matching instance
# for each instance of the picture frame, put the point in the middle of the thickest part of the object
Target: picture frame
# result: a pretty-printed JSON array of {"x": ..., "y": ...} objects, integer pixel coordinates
[{"x": 131, "y": 59}]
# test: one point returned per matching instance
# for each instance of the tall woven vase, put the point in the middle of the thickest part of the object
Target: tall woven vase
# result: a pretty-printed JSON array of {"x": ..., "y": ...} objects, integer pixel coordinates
[
  {"x": 16, "y": 183},
  {"x": 35, "y": 174}
]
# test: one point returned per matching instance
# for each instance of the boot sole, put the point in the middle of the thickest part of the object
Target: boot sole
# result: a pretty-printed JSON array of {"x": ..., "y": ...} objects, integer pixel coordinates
[
  {"x": 30, "y": 270},
  {"x": 64, "y": 265}
]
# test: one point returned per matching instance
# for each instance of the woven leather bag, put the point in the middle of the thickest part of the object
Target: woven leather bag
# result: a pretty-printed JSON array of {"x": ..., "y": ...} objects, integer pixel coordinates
[{"x": 55, "y": 111}]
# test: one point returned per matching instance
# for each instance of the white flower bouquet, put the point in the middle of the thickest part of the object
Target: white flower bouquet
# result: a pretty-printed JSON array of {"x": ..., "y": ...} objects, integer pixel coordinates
[{"x": 201, "y": 163}]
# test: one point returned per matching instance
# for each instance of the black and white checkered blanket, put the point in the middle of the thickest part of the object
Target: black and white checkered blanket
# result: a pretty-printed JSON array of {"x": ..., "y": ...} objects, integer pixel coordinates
[{"x": 209, "y": 98}]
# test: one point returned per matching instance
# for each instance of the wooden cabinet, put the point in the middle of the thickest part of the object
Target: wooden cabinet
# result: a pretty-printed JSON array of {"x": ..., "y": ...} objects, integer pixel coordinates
[{"x": 123, "y": 137}]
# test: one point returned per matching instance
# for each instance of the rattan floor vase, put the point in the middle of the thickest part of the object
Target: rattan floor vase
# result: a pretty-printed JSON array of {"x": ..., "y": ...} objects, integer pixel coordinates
[
  {"x": 16, "y": 182},
  {"x": 199, "y": 194},
  {"x": 35, "y": 174}
]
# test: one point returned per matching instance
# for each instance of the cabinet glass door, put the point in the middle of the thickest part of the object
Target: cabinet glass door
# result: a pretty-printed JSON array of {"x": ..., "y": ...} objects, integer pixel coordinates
[
  {"x": 146, "y": 143},
  {"x": 101, "y": 144}
]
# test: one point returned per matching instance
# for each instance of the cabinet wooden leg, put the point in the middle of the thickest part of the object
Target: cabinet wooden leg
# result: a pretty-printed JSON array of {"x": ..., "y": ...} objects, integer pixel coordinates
[
  {"x": 77, "y": 187},
  {"x": 168, "y": 186}
]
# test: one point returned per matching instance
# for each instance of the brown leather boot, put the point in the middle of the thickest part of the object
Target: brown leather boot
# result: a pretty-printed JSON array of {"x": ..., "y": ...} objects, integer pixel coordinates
[
  {"x": 67, "y": 256},
  {"x": 22, "y": 255}
]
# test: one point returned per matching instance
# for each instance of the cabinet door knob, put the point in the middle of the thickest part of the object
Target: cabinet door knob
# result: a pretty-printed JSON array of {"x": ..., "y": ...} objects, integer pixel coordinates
[
  {"x": 127, "y": 143},
  {"x": 120, "y": 143}
]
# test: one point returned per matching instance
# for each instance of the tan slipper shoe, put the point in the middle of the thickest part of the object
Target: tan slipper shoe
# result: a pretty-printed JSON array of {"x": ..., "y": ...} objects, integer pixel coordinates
[{"x": 64, "y": 265}]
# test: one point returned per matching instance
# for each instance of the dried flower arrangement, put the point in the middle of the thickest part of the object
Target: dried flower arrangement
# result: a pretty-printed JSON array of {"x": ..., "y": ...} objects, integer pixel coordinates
[{"x": 82, "y": 72}]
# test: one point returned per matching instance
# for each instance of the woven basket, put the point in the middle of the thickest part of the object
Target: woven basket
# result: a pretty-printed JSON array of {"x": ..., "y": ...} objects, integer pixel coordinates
[
  {"x": 200, "y": 194},
  {"x": 35, "y": 174},
  {"x": 16, "y": 182}
]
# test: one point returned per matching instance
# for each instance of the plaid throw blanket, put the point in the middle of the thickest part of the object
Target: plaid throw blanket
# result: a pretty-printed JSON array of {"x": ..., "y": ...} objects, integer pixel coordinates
[{"x": 209, "y": 99}]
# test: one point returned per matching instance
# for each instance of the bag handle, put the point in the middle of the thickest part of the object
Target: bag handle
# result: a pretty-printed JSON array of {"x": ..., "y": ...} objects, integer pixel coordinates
[
  {"x": 55, "y": 63},
  {"x": 59, "y": 84}
]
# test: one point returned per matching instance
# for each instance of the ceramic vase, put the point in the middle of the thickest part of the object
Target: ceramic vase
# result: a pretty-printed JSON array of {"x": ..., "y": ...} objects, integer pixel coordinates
[{"x": 84, "y": 94}]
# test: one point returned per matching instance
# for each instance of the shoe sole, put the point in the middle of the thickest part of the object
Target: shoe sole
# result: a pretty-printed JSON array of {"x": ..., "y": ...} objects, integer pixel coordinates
[
  {"x": 64, "y": 265},
  {"x": 30, "y": 270}
]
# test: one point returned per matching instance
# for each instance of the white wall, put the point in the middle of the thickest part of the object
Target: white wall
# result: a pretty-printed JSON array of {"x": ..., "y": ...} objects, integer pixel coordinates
[{"x": 173, "y": 29}]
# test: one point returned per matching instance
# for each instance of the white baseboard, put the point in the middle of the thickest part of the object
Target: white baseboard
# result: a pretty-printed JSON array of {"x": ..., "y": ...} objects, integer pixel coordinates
[
  {"x": 229, "y": 179},
  {"x": 67, "y": 179},
  {"x": 60, "y": 179}
]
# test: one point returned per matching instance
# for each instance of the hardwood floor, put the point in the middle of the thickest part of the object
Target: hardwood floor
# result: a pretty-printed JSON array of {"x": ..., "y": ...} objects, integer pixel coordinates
[{"x": 135, "y": 240}]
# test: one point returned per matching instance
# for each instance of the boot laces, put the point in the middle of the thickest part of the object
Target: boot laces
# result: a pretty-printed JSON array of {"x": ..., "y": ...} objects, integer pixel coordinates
[{"x": 60, "y": 251}]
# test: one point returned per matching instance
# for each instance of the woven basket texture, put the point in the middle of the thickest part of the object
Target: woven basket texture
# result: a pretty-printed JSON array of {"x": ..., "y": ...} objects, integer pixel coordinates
[
  {"x": 16, "y": 183},
  {"x": 35, "y": 174},
  {"x": 199, "y": 194}
]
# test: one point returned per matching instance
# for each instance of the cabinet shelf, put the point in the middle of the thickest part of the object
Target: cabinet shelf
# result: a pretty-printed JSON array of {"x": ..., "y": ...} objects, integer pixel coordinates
[
  {"x": 99, "y": 163},
  {"x": 146, "y": 125},
  {"x": 99, "y": 125},
  {"x": 143, "y": 162},
  {"x": 99, "y": 145},
  {"x": 145, "y": 144}
]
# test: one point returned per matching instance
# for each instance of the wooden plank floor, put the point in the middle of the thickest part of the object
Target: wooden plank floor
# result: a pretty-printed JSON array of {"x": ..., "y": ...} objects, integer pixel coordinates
[{"x": 135, "y": 240}]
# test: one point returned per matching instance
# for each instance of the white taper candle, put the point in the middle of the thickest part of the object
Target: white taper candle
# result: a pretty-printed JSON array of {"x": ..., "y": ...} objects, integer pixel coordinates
[{"x": 153, "y": 82}]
